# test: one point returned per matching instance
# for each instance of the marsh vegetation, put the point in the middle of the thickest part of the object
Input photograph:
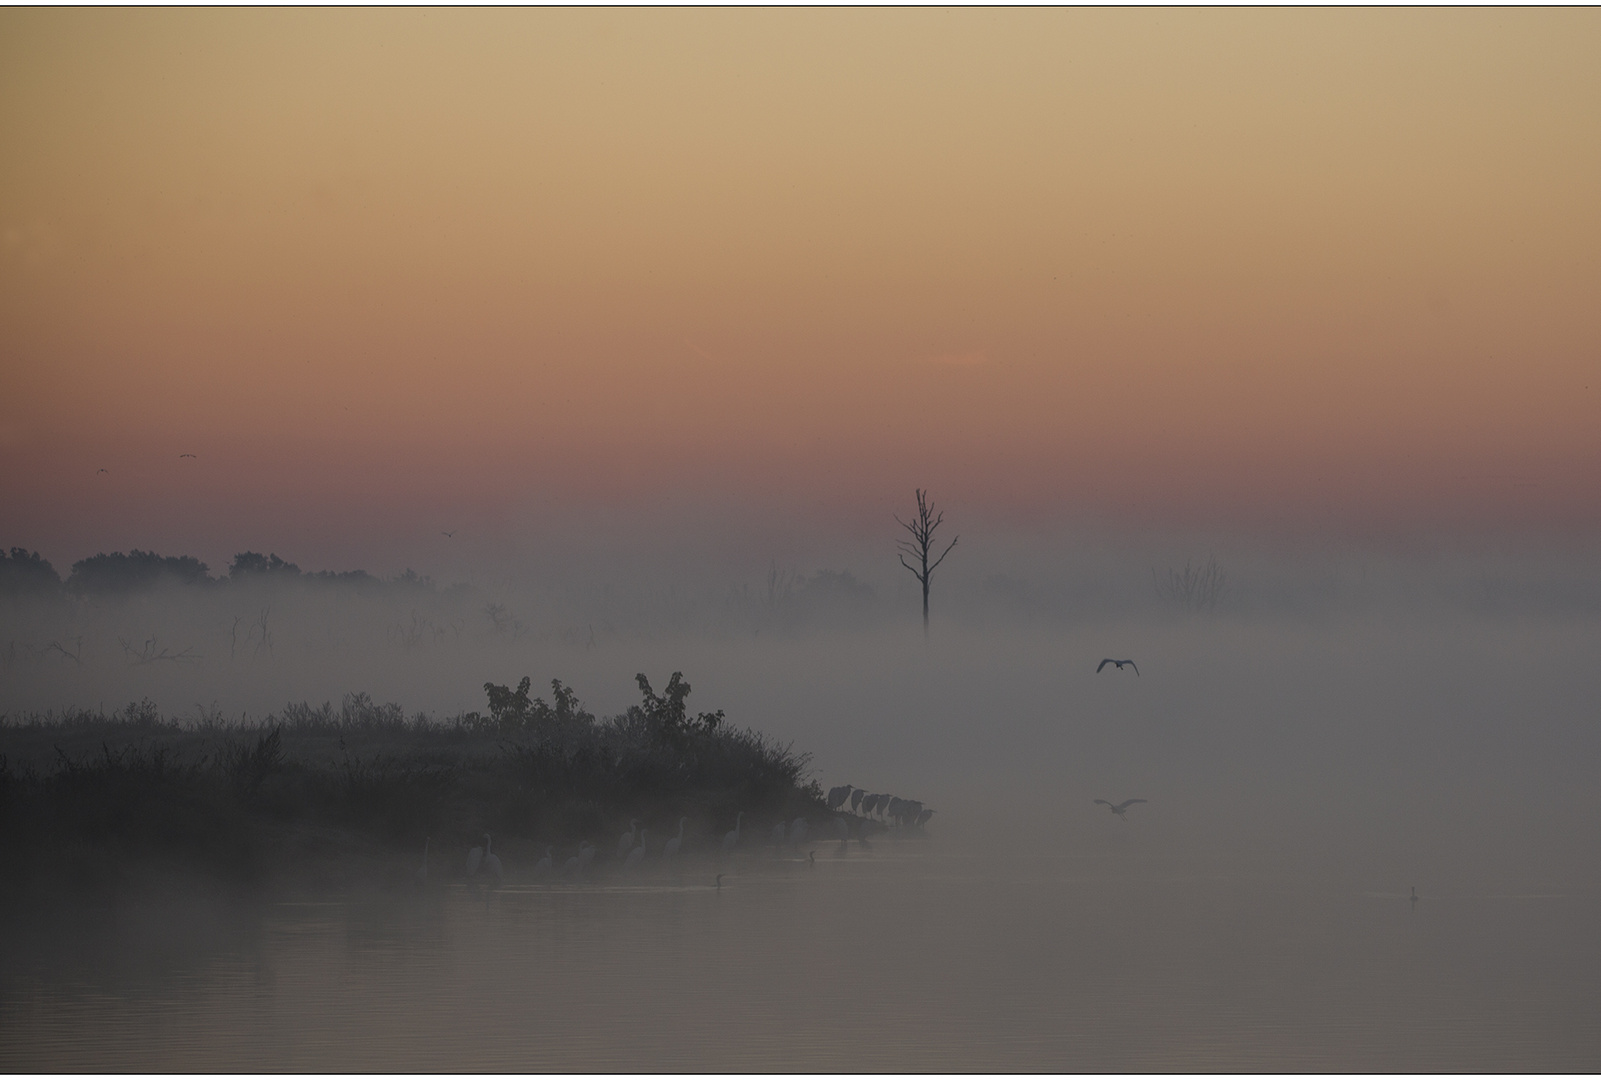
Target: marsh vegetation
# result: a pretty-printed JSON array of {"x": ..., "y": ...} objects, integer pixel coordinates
[{"x": 329, "y": 794}]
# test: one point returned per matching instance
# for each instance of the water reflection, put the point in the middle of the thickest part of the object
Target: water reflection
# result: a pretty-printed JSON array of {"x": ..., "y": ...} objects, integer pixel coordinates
[{"x": 908, "y": 956}]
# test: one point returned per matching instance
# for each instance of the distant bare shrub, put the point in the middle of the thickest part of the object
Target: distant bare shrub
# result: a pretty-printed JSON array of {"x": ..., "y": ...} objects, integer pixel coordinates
[{"x": 1195, "y": 588}]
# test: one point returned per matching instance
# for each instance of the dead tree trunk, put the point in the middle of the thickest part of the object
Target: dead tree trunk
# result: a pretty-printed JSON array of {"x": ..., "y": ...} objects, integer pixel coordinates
[{"x": 921, "y": 544}]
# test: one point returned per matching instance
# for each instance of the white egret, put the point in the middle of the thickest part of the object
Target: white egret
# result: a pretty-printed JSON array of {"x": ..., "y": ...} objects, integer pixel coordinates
[
  {"x": 636, "y": 856},
  {"x": 474, "y": 857},
  {"x": 676, "y": 842},
  {"x": 492, "y": 862},
  {"x": 731, "y": 838},
  {"x": 570, "y": 866},
  {"x": 543, "y": 866},
  {"x": 625, "y": 843}
]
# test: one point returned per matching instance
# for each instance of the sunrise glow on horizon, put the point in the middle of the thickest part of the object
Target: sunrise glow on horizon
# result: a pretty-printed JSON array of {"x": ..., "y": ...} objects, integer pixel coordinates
[{"x": 1161, "y": 267}]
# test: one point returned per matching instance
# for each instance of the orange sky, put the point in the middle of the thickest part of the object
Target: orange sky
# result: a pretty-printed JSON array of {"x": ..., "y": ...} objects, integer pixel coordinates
[{"x": 1337, "y": 267}]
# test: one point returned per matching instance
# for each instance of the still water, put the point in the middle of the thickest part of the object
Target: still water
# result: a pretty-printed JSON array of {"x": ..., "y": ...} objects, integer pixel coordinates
[{"x": 909, "y": 956}]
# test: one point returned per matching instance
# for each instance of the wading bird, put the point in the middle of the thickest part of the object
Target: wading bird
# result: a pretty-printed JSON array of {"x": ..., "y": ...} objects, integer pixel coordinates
[
  {"x": 856, "y": 799},
  {"x": 625, "y": 842},
  {"x": 586, "y": 854},
  {"x": 492, "y": 862},
  {"x": 636, "y": 856},
  {"x": 570, "y": 866},
  {"x": 545, "y": 865},
  {"x": 719, "y": 883},
  {"x": 676, "y": 842},
  {"x": 922, "y": 819},
  {"x": 1118, "y": 664},
  {"x": 1120, "y": 807},
  {"x": 474, "y": 858},
  {"x": 837, "y": 796},
  {"x": 731, "y": 838}
]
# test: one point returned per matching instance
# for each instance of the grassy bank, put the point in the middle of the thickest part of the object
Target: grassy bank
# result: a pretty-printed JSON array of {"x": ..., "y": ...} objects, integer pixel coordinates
[{"x": 325, "y": 795}]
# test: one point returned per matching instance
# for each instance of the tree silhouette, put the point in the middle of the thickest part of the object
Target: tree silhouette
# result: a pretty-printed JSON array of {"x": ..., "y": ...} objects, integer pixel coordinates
[{"x": 921, "y": 544}]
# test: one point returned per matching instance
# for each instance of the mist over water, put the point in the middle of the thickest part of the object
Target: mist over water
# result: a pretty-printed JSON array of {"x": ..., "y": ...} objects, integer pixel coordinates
[{"x": 1338, "y": 729}]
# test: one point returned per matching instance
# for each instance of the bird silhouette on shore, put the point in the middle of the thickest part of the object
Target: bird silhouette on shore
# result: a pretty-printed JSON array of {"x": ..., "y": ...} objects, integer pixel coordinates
[
  {"x": 1119, "y": 665},
  {"x": 1119, "y": 808}
]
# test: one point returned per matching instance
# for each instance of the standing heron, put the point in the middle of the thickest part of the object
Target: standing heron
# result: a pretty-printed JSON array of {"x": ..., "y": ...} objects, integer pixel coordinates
[
  {"x": 544, "y": 866},
  {"x": 676, "y": 842},
  {"x": 731, "y": 838},
  {"x": 625, "y": 842},
  {"x": 492, "y": 862},
  {"x": 1120, "y": 807},
  {"x": 856, "y": 799},
  {"x": 636, "y": 856}
]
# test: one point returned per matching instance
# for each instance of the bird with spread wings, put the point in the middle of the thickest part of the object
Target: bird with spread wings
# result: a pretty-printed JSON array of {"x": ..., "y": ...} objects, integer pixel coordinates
[
  {"x": 1118, "y": 664},
  {"x": 1120, "y": 807}
]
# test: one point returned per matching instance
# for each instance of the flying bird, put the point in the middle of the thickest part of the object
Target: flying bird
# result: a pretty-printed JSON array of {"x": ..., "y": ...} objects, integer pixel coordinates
[
  {"x": 185, "y": 455},
  {"x": 451, "y": 533},
  {"x": 1120, "y": 807},
  {"x": 99, "y": 471},
  {"x": 1119, "y": 664}
]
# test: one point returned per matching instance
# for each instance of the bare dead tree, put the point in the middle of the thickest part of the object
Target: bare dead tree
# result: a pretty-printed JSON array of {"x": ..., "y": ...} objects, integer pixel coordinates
[{"x": 922, "y": 544}]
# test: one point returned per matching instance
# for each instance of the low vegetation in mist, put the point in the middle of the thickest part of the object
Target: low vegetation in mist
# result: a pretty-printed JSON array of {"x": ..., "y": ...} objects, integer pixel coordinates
[{"x": 324, "y": 794}]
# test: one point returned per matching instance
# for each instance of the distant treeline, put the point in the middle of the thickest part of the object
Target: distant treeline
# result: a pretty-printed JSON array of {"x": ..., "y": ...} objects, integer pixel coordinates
[{"x": 25, "y": 572}]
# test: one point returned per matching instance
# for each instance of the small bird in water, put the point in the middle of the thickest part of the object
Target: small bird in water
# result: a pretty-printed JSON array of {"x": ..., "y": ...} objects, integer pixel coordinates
[
  {"x": 719, "y": 883},
  {"x": 1118, "y": 664},
  {"x": 1120, "y": 807}
]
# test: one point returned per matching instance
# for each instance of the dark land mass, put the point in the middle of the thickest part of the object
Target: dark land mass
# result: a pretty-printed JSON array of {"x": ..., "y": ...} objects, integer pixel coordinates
[{"x": 99, "y": 805}]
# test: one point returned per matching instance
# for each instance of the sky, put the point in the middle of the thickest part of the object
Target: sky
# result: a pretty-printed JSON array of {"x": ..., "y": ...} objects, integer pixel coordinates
[{"x": 386, "y": 273}]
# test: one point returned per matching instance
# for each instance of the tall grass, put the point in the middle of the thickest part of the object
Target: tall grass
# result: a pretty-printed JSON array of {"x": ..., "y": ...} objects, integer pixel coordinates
[{"x": 88, "y": 798}]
